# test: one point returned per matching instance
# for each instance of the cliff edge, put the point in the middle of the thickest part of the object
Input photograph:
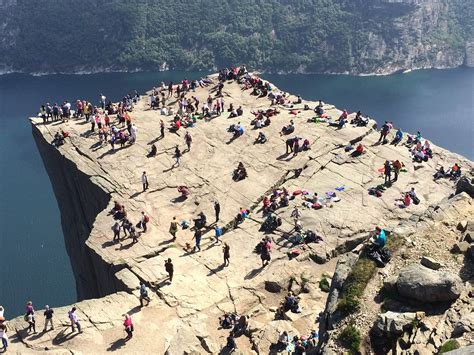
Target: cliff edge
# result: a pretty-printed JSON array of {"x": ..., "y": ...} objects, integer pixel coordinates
[{"x": 88, "y": 176}]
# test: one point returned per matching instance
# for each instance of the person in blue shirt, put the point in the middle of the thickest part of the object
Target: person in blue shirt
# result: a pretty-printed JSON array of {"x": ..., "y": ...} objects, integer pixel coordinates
[
  {"x": 218, "y": 232},
  {"x": 398, "y": 137},
  {"x": 380, "y": 239}
]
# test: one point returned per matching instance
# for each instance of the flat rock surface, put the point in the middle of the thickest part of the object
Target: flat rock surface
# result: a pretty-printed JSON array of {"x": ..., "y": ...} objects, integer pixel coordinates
[{"x": 183, "y": 315}]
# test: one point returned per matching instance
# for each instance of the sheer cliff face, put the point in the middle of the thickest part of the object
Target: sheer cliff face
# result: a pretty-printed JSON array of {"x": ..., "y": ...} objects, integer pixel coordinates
[
  {"x": 80, "y": 201},
  {"x": 356, "y": 36},
  {"x": 412, "y": 34}
]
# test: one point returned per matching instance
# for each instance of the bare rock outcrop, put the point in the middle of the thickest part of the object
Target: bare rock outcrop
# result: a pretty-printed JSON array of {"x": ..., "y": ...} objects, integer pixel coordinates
[{"x": 419, "y": 283}]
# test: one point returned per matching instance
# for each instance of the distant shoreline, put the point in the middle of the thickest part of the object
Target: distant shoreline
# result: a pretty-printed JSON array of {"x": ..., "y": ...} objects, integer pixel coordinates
[{"x": 139, "y": 70}]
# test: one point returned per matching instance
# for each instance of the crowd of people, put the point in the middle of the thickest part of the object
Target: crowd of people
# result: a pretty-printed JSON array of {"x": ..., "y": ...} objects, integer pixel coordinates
[{"x": 186, "y": 113}]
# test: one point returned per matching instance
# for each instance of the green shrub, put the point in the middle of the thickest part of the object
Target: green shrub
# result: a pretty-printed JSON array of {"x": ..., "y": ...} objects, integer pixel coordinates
[
  {"x": 350, "y": 338},
  {"x": 448, "y": 346},
  {"x": 324, "y": 285},
  {"x": 349, "y": 304}
]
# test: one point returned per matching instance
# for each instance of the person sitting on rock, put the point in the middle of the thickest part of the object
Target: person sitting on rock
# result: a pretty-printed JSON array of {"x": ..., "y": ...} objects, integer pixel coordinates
[
  {"x": 440, "y": 173},
  {"x": 152, "y": 152},
  {"x": 291, "y": 303},
  {"x": 319, "y": 109},
  {"x": 398, "y": 137},
  {"x": 455, "y": 171},
  {"x": 306, "y": 145},
  {"x": 284, "y": 200},
  {"x": 358, "y": 151},
  {"x": 261, "y": 139},
  {"x": 184, "y": 191},
  {"x": 240, "y": 173},
  {"x": 288, "y": 129},
  {"x": 379, "y": 239},
  {"x": 240, "y": 111},
  {"x": 243, "y": 213},
  {"x": 233, "y": 113},
  {"x": 298, "y": 100},
  {"x": 405, "y": 200}
]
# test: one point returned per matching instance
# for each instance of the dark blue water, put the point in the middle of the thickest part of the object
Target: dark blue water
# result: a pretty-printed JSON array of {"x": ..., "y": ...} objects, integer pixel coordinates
[{"x": 34, "y": 261}]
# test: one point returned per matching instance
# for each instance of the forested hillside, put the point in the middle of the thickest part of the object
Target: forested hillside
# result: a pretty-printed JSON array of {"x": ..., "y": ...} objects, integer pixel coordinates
[{"x": 356, "y": 36}]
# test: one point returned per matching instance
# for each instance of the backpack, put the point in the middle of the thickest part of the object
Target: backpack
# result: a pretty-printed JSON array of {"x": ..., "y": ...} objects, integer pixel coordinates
[
  {"x": 415, "y": 199},
  {"x": 146, "y": 219}
]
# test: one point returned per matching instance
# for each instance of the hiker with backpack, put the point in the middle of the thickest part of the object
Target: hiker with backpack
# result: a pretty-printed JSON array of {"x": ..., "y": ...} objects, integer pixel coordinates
[
  {"x": 145, "y": 219},
  {"x": 397, "y": 166}
]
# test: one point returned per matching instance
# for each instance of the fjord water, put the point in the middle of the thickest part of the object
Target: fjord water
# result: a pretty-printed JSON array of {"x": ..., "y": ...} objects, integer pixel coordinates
[{"x": 35, "y": 264}]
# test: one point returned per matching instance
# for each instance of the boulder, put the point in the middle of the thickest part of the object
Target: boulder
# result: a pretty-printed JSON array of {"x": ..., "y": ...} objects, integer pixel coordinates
[
  {"x": 468, "y": 237},
  {"x": 470, "y": 252},
  {"x": 462, "y": 225},
  {"x": 430, "y": 263},
  {"x": 273, "y": 286},
  {"x": 394, "y": 323},
  {"x": 460, "y": 248},
  {"x": 464, "y": 325},
  {"x": 467, "y": 350},
  {"x": 390, "y": 284},
  {"x": 425, "y": 285},
  {"x": 465, "y": 185}
]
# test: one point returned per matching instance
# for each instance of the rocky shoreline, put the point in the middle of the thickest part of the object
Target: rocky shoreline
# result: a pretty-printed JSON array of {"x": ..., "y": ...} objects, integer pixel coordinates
[
  {"x": 164, "y": 67},
  {"x": 183, "y": 316}
]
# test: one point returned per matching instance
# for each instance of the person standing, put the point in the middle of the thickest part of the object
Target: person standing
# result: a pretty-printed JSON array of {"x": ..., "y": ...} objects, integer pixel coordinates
[
  {"x": 116, "y": 230},
  {"x": 217, "y": 209},
  {"x": 217, "y": 232},
  {"x": 144, "y": 181},
  {"x": 144, "y": 294},
  {"x": 74, "y": 320},
  {"x": 48, "y": 318},
  {"x": 177, "y": 155},
  {"x": 397, "y": 166},
  {"x": 226, "y": 251},
  {"x": 3, "y": 335},
  {"x": 169, "y": 269},
  {"x": 173, "y": 228},
  {"x": 188, "y": 140},
  {"x": 197, "y": 237},
  {"x": 162, "y": 129},
  {"x": 30, "y": 318},
  {"x": 387, "y": 171},
  {"x": 144, "y": 221},
  {"x": 128, "y": 324}
]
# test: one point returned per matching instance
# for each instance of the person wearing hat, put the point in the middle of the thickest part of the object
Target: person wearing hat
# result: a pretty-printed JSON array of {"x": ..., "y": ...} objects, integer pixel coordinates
[{"x": 48, "y": 318}]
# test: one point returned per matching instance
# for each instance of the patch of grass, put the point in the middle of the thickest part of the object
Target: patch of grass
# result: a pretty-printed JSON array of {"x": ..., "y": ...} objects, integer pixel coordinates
[
  {"x": 448, "y": 346},
  {"x": 355, "y": 284},
  {"x": 350, "y": 338},
  {"x": 324, "y": 284},
  {"x": 360, "y": 275},
  {"x": 304, "y": 281}
]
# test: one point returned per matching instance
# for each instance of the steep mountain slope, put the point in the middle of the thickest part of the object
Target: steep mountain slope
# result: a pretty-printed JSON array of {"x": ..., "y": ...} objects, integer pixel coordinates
[{"x": 357, "y": 36}]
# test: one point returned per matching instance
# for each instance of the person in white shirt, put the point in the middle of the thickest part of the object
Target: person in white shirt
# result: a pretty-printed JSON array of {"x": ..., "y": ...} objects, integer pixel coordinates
[{"x": 144, "y": 181}]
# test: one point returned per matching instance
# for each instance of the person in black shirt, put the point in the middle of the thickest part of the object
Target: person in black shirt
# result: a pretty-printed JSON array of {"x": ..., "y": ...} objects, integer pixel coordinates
[
  {"x": 48, "y": 318},
  {"x": 169, "y": 269}
]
